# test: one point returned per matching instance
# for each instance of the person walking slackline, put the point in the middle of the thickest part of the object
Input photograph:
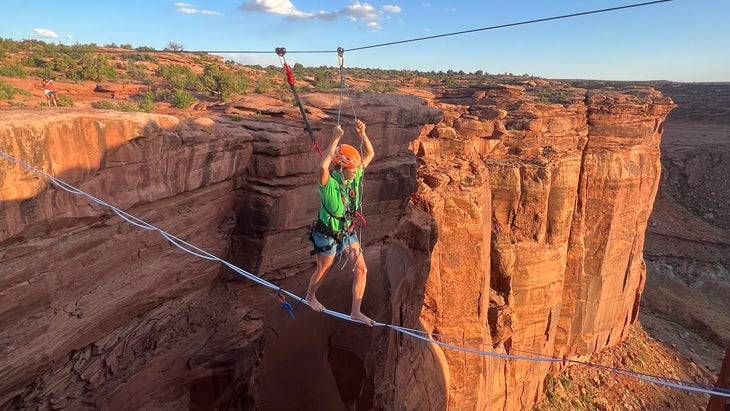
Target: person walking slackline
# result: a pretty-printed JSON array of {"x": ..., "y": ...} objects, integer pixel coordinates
[{"x": 339, "y": 192}]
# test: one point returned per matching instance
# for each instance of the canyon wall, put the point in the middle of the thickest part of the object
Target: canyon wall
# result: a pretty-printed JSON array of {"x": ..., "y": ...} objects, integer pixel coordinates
[
  {"x": 507, "y": 219},
  {"x": 541, "y": 196}
]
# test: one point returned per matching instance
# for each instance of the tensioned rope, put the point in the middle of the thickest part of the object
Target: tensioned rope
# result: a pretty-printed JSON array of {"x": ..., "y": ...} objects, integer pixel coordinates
[
  {"x": 455, "y": 33},
  {"x": 418, "y": 334}
]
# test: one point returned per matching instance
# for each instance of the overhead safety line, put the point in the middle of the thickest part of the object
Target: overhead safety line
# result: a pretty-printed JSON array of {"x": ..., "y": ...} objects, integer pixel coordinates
[
  {"x": 418, "y": 334},
  {"x": 508, "y": 25},
  {"x": 565, "y": 16}
]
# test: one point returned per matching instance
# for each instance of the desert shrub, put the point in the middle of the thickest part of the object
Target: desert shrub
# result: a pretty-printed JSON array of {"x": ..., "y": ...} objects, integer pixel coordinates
[
  {"x": 182, "y": 98},
  {"x": 127, "y": 106},
  {"x": 104, "y": 105},
  {"x": 45, "y": 72},
  {"x": 147, "y": 104},
  {"x": 174, "y": 46},
  {"x": 139, "y": 72},
  {"x": 64, "y": 100},
  {"x": 323, "y": 80},
  {"x": 222, "y": 83},
  {"x": 381, "y": 87},
  {"x": 34, "y": 60},
  {"x": 120, "y": 106},
  {"x": 163, "y": 94},
  {"x": 79, "y": 51},
  {"x": 95, "y": 68},
  {"x": 263, "y": 85},
  {"x": 283, "y": 92},
  {"x": 13, "y": 70},
  {"x": 63, "y": 63},
  {"x": 150, "y": 57},
  {"x": 179, "y": 77},
  {"x": 7, "y": 91}
]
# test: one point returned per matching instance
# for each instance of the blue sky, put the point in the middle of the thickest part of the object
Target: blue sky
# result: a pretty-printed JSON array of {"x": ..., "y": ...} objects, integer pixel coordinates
[{"x": 679, "y": 40}]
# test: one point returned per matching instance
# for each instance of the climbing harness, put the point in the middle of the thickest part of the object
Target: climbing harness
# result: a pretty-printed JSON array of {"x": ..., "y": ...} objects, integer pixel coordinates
[{"x": 281, "y": 51}]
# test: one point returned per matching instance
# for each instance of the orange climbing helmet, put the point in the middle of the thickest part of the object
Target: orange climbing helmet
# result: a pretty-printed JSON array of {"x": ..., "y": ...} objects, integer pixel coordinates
[{"x": 347, "y": 156}]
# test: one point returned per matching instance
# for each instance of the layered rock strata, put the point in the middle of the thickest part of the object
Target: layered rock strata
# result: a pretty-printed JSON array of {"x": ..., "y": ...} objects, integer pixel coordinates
[
  {"x": 541, "y": 197},
  {"x": 516, "y": 227}
]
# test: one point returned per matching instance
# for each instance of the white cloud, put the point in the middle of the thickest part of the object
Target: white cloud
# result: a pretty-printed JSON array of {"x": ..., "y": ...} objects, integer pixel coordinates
[
  {"x": 282, "y": 7},
  {"x": 360, "y": 11},
  {"x": 327, "y": 15},
  {"x": 68, "y": 37},
  {"x": 186, "y": 8},
  {"x": 355, "y": 12},
  {"x": 45, "y": 33}
]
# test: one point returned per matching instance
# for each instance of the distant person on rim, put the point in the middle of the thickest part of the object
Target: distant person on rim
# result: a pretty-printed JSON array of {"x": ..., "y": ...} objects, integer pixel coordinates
[
  {"x": 49, "y": 92},
  {"x": 339, "y": 192}
]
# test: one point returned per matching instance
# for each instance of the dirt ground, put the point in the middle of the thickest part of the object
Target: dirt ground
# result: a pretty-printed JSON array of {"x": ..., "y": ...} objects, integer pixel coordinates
[{"x": 687, "y": 251}]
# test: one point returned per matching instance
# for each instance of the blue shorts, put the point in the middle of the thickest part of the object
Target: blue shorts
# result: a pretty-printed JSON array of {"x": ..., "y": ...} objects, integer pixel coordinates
[{"x": 321, "y": 240}]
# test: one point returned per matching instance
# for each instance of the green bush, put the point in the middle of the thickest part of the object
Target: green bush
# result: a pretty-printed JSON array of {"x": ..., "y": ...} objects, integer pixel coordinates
[
  {"x": 263, "y": 85},
  {"x": 182, "y": 99},
  {"x": 63, "y": 63},
  {"x": 96, "y": 68},
  {"x": 323, "y": 80},
  {"x": 382, "y": 87},
  {"x": 105, "y": 105},
  {"x": 138, "y": 72},
  {"x": 121, "y": 106},
  {"x": 13, "y": 70},
  {"x": 147, "y": 104},
  {"x": 64, "y": 100},
  {"x": 33, "y": 61},
  {"x": 7, "y": 91},
  {"x": 45, "y": 72},
  {"x": 222, "y": 83},
  {"x": 179, "y": 77}
]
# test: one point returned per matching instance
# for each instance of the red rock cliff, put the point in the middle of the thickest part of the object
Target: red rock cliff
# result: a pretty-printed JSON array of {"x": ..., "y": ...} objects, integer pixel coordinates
[
  {"x": 540, "y": 211},
  {"x": 96, "y": 311},
  {"x": 518, "y": 224}
]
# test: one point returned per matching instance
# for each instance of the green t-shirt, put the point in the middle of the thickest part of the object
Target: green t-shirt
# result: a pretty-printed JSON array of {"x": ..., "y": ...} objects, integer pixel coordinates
[{"x": 336, "y": 197}]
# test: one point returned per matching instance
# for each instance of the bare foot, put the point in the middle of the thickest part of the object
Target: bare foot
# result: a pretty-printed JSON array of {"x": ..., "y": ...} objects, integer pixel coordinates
[
  {"x": 314, "y": 304},
  {"x": 363, "y": 318}
]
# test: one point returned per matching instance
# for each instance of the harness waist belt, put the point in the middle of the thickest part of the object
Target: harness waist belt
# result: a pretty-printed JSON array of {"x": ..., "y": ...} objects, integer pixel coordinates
[{"x": 322, "y": 228}]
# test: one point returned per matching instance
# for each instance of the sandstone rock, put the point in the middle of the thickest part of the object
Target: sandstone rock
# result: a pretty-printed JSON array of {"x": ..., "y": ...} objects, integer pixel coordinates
[
  {"x": 525, "y": 236},
  {"x": 566, "y": 273},
  {"x": 723, "y": 381}
]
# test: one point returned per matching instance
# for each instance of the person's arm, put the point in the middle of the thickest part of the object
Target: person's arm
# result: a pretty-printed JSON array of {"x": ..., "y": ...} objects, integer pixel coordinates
[
  {"x": 367, "y": 151},
  {"x": 324, "y": 165}
]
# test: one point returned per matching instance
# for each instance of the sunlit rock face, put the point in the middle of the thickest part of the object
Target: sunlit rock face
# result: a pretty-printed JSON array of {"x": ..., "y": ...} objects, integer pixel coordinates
[
  {"x": 541, "y": 196},
  {"x": 502, "y": 218},
  {"x": 101, "y": 311}
]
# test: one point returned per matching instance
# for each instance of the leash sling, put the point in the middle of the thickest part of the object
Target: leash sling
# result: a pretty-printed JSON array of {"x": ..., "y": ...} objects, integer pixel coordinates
[{"x": 281, "y": 51}]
